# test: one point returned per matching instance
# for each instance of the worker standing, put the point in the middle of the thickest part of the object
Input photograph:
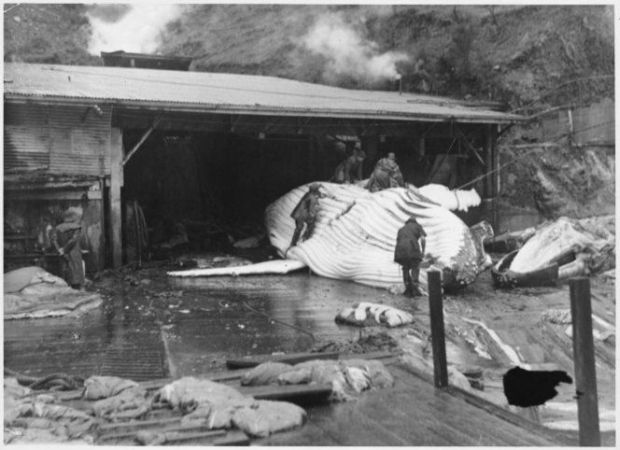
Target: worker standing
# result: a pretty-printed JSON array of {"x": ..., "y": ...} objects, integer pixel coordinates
[
  {"x": 409, "y": 252},
  {"x": 386, "y": 174},
  {"x": 350, "y": 170},
  {"x": 306, "y": 212},
  {"x": 66, "y": 238}
]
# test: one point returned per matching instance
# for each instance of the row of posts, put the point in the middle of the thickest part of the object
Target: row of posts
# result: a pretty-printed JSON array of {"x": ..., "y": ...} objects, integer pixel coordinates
[{"x": 583, "y": 349}]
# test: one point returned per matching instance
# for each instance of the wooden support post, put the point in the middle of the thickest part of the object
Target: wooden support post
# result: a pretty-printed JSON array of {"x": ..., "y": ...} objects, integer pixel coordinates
[
  {"x": 422, "y": 146},
  {"x": 370, "y": 146},
  {"x": 492, "y": 175},
  {"x": 585, "y": 369},
  {"x": 116, "y": 183},
  {"x": 440, "y": 365},
  {"x": 489, "y": 150}
]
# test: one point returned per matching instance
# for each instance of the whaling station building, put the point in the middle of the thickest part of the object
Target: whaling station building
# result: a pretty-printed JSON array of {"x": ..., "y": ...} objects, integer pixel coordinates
[{"x": 200, "y": 147}]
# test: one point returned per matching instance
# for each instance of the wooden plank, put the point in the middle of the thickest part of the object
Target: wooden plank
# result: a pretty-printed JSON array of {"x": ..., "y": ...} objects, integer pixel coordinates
[
  {"x": 309, "y": 435},
  {"x": 232, "y": 438},
  {"x": 295, "y": 358},
  {"x": 291, "y": 358},
  {"x": 116, "y": 184},
  {"x": 405, "y": 413},
  {"x": 138, "y": 425},
  {"x": 530, "y": 432},
  {"x": 344, "y": 424},
  {"x": 173, "y": 434},
  {"x": 292, "y": 393}
]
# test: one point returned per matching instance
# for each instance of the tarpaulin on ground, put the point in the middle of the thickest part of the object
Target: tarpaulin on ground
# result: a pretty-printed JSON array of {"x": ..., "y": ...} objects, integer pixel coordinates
[
  {"x": 31, "y": 292},
  {"x": 221, "y": 406},
  {"x": 38, "y": 419},
  {"x": 346, "y": 378}
]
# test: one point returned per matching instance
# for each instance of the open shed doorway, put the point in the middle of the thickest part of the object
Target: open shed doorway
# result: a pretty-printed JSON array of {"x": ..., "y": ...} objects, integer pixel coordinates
[{"x": 202, "y": 191}]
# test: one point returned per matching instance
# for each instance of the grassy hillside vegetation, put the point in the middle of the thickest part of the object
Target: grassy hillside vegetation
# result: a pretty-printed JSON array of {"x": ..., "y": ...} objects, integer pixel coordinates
[
  {"x": 47, "y": 33},
  {"x": 509, "y": 54}
]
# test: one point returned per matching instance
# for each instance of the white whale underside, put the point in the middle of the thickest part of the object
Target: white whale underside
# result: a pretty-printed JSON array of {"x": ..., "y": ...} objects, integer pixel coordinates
[{"x": 355, "y": 234}]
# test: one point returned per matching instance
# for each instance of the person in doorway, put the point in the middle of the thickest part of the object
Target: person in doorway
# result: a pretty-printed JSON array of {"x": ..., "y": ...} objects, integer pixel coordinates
[
  {"x": 350, "y": 170},
  {"x": 409, "y": 252},
  {"x": 66, "y": 238},
  {"x": 386, "y": 174},
  {"x": 306, "y": 212}
]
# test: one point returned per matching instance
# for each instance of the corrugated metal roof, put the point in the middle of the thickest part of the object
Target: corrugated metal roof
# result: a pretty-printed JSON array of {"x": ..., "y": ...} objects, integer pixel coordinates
[{"x": 229, "y": 93}]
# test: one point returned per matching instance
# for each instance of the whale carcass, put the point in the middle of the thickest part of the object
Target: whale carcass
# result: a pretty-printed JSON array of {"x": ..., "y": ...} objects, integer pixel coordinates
[
  {"x": 559, "y": 250},
  {"x": 355, "y": 233}
]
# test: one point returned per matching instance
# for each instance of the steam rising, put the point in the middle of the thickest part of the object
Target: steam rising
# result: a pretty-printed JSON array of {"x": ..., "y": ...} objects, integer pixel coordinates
[
  {"x": 137, "y": 30},
  {"x": 348, "y": 54}
]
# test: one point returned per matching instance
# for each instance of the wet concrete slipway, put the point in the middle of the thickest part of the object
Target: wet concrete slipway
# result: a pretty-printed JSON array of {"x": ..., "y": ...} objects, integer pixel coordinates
[{"x": 152, "y": 326}]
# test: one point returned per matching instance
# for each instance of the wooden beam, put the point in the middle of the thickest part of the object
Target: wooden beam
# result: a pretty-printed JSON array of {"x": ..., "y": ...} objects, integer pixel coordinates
[
  {"x": 438, "y": 337},
  {"x": 489, "y": 150},
  {"x": 144, "y": 137},
  {"x": 116, "y": 184},
  {"x": 585, "y": 364},
  {"x": 370, "y": 145}
]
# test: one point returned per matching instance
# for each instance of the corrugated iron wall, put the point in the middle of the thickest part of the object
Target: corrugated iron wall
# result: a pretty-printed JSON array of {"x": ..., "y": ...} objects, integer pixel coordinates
[{"x": 61, "y": 139}]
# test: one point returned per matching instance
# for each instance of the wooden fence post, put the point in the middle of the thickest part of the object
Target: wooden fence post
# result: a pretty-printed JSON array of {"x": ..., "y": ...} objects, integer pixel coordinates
[
  {"x": 440, "y": 366},
  {"x": 584, "y": 358}
]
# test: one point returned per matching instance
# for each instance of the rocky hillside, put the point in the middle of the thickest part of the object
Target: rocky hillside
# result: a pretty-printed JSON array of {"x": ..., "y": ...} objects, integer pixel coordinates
[
  {"x": 511, "y": 54},
  {"x": 47, "y": 33},
  {"x": 528, "y": 57}
]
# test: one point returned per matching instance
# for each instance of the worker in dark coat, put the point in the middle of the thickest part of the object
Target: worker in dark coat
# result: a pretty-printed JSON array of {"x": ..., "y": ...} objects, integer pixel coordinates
[
  {"x": 386, "y": 175},
  {"x": 306, "y": 212},
  {"x": 350, "y": 170},
  {"x": 66, "y": 238},
  {"x": 409, "y": 252}
]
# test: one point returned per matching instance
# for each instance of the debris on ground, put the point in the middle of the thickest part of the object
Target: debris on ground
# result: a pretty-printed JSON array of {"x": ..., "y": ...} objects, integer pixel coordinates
[
  {"x": 346, "y": 377},
  {"x": 421, "y": 365},
  {"x": 368, "y": 314},
  {"x": 365, "y": 344},
  {"x": 206, "y": 261},
  {"x": 31, "y": 292},
  {"x": 98, "y": 387},
  {"x": 53, "y": 382},
  {"x": 39, "y": 419},
  {"x": 131, "y": 403},
  {"x": 250, "y": 242},
  {"x": 557, "y": 316},
  {"x": 222, "y": 406}
]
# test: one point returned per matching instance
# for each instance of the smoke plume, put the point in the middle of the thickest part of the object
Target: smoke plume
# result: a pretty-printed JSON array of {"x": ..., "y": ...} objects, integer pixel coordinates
[
  {"x": 348, "y": 54},
  {"x": 133, "y": 27}
]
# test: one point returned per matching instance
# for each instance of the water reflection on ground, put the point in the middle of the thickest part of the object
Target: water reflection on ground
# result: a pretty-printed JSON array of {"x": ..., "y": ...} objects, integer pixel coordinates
[{"x": 188, "y": 325}]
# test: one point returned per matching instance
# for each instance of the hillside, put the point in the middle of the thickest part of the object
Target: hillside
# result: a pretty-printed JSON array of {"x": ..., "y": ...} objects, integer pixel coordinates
[
  {"x": 528, "y": 57},
  {"x": 47, "y": 33},
  {"x": 510, "y": 54}
]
